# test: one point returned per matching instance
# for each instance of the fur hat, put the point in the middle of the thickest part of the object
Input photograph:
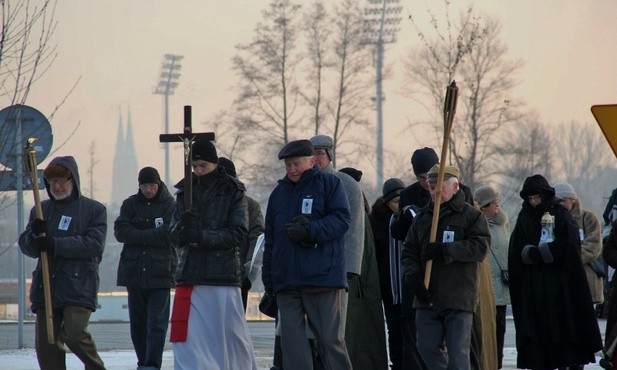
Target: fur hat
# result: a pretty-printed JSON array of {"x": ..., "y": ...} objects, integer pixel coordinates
[
  {"x": 449, "y": 171},
  {"x": 537, "y": 184},
  {"x": 296, "y": 148},
  {"x": 423, "y": 159},
  {"x": 392, "y": 188},
  {"x": 54, "y": 171},
  {"x": 230, "y": 167},
  {"x": 149, "y": 175},
  {"x": 323, "y": 142},
  {"x": 355, "y": 174},
  {"x": 484, "y": 195},
  {"x": 204, "y": 150},
  {"x": 564, "y": 190}
]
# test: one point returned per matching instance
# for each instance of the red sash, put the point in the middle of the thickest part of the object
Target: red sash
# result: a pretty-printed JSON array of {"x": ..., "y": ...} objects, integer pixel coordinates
[{"x": 180, "y": 313}]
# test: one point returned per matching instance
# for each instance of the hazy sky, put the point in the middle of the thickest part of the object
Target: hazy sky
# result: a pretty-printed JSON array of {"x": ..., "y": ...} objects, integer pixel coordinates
[{"x": 117, "y": 46}]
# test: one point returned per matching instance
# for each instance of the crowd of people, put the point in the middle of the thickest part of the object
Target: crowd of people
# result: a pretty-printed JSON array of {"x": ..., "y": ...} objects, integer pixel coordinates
[{"x": 419, "y": 279}]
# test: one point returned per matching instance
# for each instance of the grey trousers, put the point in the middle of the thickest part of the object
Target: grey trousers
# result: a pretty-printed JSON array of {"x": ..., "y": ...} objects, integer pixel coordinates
[
  {"x": 322, "y": 311},
  {"x": 70, "y": 328},
  {"x": 443, "y": 338}
]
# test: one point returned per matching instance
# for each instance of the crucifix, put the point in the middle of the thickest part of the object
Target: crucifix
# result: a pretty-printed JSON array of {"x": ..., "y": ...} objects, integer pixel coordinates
[{"x": 187, "y": 138}]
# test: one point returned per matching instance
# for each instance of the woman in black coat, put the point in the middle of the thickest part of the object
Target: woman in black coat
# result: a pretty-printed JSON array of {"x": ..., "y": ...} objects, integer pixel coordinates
[{"x": 551, "y": 303}]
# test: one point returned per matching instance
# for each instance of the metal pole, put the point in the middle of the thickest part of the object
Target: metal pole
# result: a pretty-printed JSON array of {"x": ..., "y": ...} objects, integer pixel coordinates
[
  {"x": 379, "y": 101},
  {"x": 167, "y": 178},
  {"x": 21, "y": 289}
]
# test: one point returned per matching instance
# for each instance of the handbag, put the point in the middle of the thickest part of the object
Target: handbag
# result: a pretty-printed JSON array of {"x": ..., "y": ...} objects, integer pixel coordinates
[
  {"x": 597, "y": 265},
  {"x": 268, "y": 306},
  {"x": 505, "y": 276}
]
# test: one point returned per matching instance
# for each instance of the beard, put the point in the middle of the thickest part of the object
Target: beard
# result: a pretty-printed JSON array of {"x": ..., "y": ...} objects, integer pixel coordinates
[{"x": 60, "y": 196}]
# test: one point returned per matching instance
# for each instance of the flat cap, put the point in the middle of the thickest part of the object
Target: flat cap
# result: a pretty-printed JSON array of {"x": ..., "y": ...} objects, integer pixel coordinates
[
  {"x": 450, "y": 171},
  {"x": 322, "y": 141},
  {"x": 296, "y": 148}
]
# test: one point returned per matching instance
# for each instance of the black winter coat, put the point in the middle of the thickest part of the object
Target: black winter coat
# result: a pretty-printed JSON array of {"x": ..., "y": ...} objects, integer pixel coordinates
[
  {"x": 148, "y": 259},
  {"x": 220, "y": 203},
  {"x": 78, "y": 226},
  {"x": 551, "y": 303}
]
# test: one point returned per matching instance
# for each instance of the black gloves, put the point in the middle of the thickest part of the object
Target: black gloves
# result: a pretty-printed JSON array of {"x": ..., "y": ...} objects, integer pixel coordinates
[
  {"x": 190, "y": 228},
  {"x": 409, "y": 212},
  {"x": 45, "y": 244},
  {"x": 298, "y": 231},
  {"x": 419, "y": 290},
  {"x": 432, "y": 251},
  {"x": 38, "y": 226}
]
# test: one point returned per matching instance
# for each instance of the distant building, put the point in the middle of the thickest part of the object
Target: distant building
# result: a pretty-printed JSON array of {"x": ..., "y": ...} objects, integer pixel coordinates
[{"x": 125, "y": 167}]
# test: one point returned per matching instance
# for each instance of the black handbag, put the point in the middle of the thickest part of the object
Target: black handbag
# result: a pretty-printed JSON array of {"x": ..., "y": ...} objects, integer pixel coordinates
[
  {"x": 505, "y": 276},
  {"x": 268, "y": 306}
]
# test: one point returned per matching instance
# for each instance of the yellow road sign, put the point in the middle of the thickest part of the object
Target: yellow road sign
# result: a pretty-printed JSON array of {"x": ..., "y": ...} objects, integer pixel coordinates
[{"x": 606, "y": 116}]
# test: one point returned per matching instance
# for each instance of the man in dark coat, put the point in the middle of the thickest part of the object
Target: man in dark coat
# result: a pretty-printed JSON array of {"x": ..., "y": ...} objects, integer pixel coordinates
[
  {"x": 551, "y": 303},
  {"x": 73, "y": 234},
  {"x": 147, "y": 264}
]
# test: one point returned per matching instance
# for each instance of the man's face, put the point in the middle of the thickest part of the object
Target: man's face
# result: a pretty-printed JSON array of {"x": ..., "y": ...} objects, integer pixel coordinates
[
  {"x": 321, "y": 158},
  {"x": 201, "y": 167},
  {"x": 448, "y": 189},
  {"x": 423, "y": 180},
  {"x": 149, "y": 190},
  {"x": 60, "y": 187},
  {"x": 295, "y": 167}
]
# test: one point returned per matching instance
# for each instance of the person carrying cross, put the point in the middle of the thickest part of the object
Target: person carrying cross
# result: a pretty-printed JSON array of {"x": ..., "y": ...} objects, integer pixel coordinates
[{"x": 208, "y": 327}]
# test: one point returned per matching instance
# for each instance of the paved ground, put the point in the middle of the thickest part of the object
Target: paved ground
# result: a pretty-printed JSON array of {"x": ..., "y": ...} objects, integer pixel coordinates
[{"x": 115, "y": 346}]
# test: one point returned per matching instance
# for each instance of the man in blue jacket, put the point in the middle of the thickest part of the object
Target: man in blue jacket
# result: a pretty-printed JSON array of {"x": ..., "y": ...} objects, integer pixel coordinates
[
  {"x": 73, "y": 234},
  {"x": 304, "y": 265}
]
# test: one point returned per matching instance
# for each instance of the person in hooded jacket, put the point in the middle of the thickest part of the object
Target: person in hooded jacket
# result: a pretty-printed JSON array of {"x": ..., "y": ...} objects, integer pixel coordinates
[
  {"x": 147, "y": 264},
  {"x": 73, "y": 234},
  {"x": 551, "y": 303}
]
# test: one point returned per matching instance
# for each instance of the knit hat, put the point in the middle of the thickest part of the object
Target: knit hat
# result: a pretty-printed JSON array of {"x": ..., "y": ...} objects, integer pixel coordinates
[
  {"x": 391, "y": 188},
  {"x": 484, "y": 195},
  {"x": 564, "y": 190},
  {"x": 355, "y": 174},
  {"x": 204, "y": 150},
  {"x": 323, "y": 142},
  {"x": 54, "y": 171},
  {"x": 536, "y": 184},
  {"x": 423, "y": 159},
  {"x": 296, "y": 148},
  {"x": 149, "y": 175},
  {"x": 449, "y": 171},
  {"x": 228, "y": 165}
]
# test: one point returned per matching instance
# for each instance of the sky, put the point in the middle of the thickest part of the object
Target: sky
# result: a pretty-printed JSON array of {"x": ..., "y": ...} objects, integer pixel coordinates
[{"x": 116, "y": 47}]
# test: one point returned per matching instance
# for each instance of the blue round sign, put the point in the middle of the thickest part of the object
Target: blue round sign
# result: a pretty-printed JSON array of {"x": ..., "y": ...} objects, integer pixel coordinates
[{"x": 18, "y": 123}]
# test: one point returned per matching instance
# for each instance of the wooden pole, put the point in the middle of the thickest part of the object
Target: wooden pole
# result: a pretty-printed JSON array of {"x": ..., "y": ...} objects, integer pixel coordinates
[
  {"x": 448, "y": 116},
  {"x": 31, "y": 165}
]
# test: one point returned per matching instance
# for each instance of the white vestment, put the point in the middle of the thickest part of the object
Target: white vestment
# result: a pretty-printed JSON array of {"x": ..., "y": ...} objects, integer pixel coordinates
[{"x": 218, "y": 335}]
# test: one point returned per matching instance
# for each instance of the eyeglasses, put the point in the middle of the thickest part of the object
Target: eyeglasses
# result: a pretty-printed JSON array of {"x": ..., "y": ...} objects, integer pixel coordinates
[
  {"x": 319, "y": 152},
  {"x": 59, "y": 181}
]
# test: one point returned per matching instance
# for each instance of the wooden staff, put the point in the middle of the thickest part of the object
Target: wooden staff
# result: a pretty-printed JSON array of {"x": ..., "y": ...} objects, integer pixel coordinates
[
  {"x": 449, "y": 109},
  {"x": 30, "y": 156}
]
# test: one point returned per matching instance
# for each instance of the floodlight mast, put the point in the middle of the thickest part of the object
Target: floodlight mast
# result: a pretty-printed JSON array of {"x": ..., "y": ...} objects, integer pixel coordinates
[
  {"x": 168, "y": 81},
  {"x": 381, "y": 27}
]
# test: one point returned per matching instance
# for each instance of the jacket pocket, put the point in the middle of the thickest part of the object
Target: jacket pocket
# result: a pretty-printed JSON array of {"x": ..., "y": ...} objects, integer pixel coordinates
[{"x": 160, "y": 266}]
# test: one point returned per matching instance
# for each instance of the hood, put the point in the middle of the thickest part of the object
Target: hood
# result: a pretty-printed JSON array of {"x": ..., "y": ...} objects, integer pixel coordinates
[
  {"x": 70, "y": 164},
  {"x": 537, "y": 184}
]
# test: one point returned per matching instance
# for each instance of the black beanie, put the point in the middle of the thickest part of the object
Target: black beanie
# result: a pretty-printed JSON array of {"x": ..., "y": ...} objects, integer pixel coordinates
[
  {"x": 355, "y": 174},
  {"x": 149, "y": 175},
  {"x": 229, "y": 166},
  {"x": 204, "y": 150},
  {"x": 423, "y": 159}
]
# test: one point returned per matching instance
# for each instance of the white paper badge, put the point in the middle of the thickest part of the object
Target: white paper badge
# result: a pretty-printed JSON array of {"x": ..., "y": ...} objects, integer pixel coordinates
[
  {"x": 581, "y": 234},
  {"x": 448, "y": 236},
  {"x": 158, "y": 222},
  {"x": 65, "y": 221},
  {"x": 307, "y": 206}
]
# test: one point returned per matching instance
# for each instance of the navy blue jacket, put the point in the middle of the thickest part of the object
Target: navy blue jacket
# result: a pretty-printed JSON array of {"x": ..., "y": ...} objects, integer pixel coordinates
[{"x": 287, "y": 265}]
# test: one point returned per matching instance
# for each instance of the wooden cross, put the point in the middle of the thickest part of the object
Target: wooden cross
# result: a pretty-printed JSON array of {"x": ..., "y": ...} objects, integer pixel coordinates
[{"x": 187, "y": 138}]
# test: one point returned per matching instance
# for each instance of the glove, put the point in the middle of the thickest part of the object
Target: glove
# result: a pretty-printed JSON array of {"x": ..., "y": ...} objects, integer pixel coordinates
[
  {"x": 190, "y": 220},
  {"x": 432, "y": 251},
  {"x": 38, "y": 226},
  {"x": 409, "y": 212},
  {"x": 531, "y": 255},
  {"x": 45, "y": 244},
  {"x": 190, "y": 236},
  {"x": 420, "y": 291},
  {"x": 298, "y": 229}
]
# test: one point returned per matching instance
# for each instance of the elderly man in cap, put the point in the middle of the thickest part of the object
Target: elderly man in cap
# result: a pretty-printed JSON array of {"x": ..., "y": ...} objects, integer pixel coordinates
[
  {"x": 445, "y": 310},
  {"x": 208, "y": 328},
  {"x": 306, "y": 221},
  {"x": 147, "y": 264},
  {"x": 73, "y": 234}
]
